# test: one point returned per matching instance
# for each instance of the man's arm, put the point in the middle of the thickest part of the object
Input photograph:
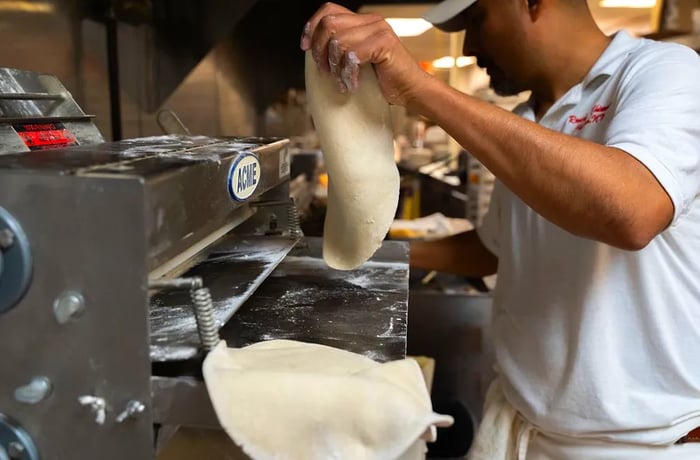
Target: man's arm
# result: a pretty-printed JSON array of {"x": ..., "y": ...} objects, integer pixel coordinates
[
  {"x": 590, "y": 190},
  {"x": 462, "y": 254}
]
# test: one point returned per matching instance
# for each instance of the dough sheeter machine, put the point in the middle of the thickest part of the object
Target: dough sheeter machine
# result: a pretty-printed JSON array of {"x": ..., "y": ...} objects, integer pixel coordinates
[{"x": 122, "y": 263}]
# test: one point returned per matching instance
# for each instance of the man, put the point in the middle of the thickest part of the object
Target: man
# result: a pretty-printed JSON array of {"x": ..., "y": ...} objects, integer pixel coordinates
[{"x": 594, "y": 222}]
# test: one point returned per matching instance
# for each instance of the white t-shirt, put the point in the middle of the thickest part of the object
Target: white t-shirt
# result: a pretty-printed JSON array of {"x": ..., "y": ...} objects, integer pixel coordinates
[{"x": 591, "y": 340}]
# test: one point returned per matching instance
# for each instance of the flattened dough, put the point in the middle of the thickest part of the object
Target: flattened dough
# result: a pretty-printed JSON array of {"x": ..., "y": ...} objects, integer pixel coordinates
[
  {"x": 355, "y": 133},
  {"x": 288, "y": 400}
]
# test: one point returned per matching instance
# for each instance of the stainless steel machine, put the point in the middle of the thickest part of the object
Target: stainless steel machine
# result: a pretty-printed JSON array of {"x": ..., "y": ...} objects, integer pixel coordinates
[{"x": 122, "y": 263}]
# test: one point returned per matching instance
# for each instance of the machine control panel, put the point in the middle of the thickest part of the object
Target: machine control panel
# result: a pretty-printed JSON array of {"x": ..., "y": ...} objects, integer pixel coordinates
[{"x": 42, "y": 136}]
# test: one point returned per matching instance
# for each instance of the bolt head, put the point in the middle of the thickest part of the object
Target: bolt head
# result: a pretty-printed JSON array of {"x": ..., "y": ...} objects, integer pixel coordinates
[
  {"x": 68, "y": 305},
  {"x": 135, "y": 407},
  {"x": 15, "y": 450},
  {"x": 35, "y": 391},
  {"x": 7, "y": 238}
]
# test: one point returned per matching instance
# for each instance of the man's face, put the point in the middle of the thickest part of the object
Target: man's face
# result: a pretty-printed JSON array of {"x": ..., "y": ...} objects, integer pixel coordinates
[{"x": 492, "y": 37}]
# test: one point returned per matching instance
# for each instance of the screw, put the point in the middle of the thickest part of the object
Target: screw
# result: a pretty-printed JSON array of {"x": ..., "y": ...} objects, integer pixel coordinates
[
  {"x": 67, "y": 306},
  {"x": 15, "y": 450},
  {"x": 7, "y": 238},
  {"x": 133, "y": 409},
  {"x": 34, "y": 392},
  {"x": 97, "y": 405}
]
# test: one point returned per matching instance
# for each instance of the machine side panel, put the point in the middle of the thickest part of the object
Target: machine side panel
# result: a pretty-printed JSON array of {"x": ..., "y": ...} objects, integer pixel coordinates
[
  {"x": 186, "y": 205},
  {"x": 87, "y": 241}
]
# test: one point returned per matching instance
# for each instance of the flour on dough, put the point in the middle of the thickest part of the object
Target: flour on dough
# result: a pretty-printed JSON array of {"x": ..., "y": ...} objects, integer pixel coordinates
[
  {"x": 355, "y": 133},
  {"x": 288, "y": 400}
]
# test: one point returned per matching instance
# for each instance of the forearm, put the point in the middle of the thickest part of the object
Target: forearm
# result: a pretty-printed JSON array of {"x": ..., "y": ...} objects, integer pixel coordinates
[
  {"x": 461, "y": 254},
  {"x": 588, "y": 189}
]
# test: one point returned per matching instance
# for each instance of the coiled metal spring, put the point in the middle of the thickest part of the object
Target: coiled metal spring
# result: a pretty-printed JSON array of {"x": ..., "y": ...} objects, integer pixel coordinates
[
  {"x": 204, "y": 315},
  {"x": 294, "y": 220}
]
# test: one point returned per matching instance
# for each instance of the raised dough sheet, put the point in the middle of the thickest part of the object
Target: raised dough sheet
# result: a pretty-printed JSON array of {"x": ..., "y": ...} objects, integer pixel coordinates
[
  {"x": 288, "y": 400},
  {"x": 355, "y": 133}
]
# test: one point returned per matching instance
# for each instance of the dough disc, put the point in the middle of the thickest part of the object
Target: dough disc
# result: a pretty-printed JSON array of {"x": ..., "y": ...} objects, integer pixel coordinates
[
  {"x": 355, "y": 133},
  {"x": 288, "y": 400}
]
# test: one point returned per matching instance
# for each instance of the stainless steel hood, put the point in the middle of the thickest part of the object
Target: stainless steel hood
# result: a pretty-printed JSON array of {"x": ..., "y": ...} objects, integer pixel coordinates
[{"x": 161, "y": 41}]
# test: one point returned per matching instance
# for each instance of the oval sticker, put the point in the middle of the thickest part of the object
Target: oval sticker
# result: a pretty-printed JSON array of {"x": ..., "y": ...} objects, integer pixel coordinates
[{"x": 244, "y": 177}]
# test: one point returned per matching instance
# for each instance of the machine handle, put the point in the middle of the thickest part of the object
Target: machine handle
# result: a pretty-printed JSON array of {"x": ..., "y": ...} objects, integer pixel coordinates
[
  {"x": 32, "y": 96},
  {"x": 170, "y": 123}
]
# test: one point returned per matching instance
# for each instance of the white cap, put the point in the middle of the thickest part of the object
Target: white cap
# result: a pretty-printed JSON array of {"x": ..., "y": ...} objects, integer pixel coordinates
[{"x": 444, "y": 16}]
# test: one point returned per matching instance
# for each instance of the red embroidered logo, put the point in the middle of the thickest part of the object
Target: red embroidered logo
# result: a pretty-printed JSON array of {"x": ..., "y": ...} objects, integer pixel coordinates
[{"x": 596, "y": 115}]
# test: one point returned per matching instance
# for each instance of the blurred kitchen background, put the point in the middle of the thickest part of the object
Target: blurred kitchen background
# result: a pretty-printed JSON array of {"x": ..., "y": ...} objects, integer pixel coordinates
[{"x": 234, "y": 68}]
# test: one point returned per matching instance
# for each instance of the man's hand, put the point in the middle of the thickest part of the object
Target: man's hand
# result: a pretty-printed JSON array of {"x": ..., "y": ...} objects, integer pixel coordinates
[{"x": 341, "y": 40}]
